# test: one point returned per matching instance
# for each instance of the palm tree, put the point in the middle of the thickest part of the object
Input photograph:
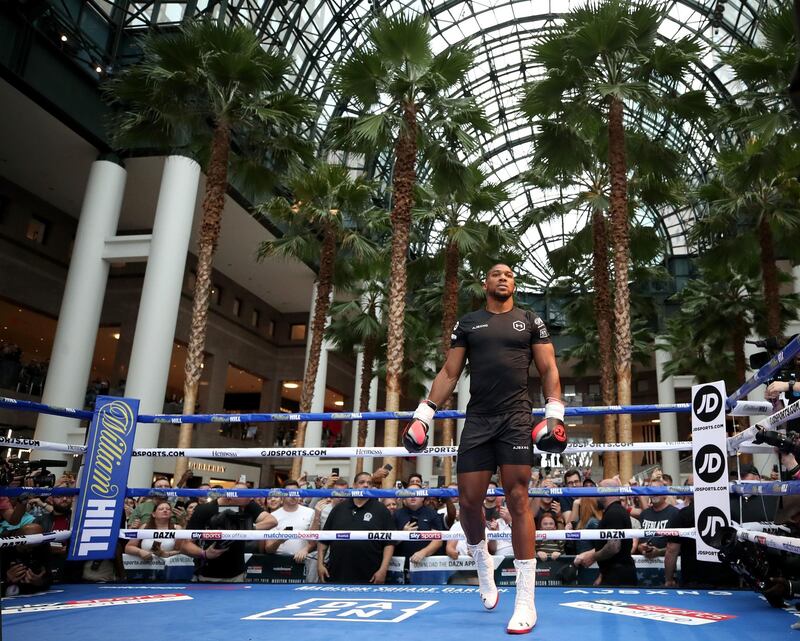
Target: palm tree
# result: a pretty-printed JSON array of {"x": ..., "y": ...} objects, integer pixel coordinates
[
  {"x": 359, "y": 324},
  {"x": 401, "y": 92},
  {"x": 754, "y": 201},
  {"x": 717, "y": 312},
  {"x": 202, "y": 89},
  {"x": 321, "y": 217},
  {"x": 606, "y": 55},
  {"x": 570, "y": 156},
  {"x": 763, "y": 108}
]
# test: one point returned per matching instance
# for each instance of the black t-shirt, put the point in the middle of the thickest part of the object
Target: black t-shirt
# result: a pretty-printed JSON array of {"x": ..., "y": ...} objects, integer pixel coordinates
[
  {"x": 696, "y": 573},
  {"x": 753, "y": 508},
  {"x": 357, "y": 561},
  {"x": 208, "y": 516},
  {"x": 657, "y": 520},
  {"x": 620, "y": 568},
  {"x": 499, "y": 353},
  {"x": 427, "y": 519}
]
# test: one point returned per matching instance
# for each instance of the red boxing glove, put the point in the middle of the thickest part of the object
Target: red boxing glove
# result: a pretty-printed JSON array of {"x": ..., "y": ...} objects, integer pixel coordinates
[
  {"x": 550, "y": 435},
  {"x": 415, "y": 435}
]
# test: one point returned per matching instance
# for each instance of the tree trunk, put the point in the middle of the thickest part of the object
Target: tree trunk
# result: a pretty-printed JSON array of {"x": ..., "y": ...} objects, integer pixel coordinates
[
  {"x": 321, "y": 307},
  {"x": 367, "y": 369},
  {"x": 605, "y": 337},
  {"x": 403, "y": 187},
  {"x": 769, "y": 272},
  {"x": 452, "y": 262},
  {"x": 620, "y": 235},
  {"x": 213, "y": 205}
]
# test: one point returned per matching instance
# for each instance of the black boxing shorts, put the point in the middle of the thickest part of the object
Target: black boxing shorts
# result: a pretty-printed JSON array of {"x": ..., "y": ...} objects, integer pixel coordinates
[{"x": 490, "y": 441}]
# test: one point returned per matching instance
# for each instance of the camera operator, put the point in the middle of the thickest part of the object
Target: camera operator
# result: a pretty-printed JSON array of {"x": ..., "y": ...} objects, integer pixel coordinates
[
  {"x": 223, "y": 561},
  {"x": 26, "y": 568},
  {"x": 777, "y": 589}
]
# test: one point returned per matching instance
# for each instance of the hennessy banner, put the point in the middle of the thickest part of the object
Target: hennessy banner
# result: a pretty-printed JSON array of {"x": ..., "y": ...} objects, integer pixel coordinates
[{"x": 101, "y": 495}]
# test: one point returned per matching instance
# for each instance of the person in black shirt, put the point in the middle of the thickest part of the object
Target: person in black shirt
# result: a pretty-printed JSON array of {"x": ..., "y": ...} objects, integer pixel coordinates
[
  {"x": 223, "y": 561},
  {"x": 357, "y": 561},
  {"x": 614, "y": 555},
  {"x": 694, "y": 573},
  {"x": 656, "y": 517},
  {"x": 416, "y": 517},
  {"x": 500, "y": 342}
]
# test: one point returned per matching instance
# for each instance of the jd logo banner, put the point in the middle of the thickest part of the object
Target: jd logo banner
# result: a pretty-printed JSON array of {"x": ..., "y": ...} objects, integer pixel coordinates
[
  {"x": 709, "y": 463},
  {"x": 707, "y": 403},
  {"x": 709, "y": 522}
]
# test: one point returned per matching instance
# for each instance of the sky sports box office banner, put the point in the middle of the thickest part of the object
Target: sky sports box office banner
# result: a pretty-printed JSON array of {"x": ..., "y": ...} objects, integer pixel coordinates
[
  {"x": 710, "y": 466},
  {"x": 101, "y": 490}
]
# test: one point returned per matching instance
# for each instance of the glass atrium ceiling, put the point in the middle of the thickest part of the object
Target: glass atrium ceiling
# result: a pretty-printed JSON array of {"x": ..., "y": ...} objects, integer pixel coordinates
[{"x": 318, "y": 34}]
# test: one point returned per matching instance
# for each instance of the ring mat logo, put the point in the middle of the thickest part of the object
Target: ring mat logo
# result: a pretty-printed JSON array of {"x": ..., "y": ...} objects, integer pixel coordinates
[
  {"x": 707, "y": 403},
  {"x": 709, "y": 522},
  {"x": 709, "y": 464}
]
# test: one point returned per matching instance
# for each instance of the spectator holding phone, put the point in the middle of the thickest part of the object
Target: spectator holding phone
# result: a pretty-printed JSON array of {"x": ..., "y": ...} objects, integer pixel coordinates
[
  {"x": 150, "y": 549},
  {"x": 656, "y": 517},
  {"x": 415, "y": 516}
]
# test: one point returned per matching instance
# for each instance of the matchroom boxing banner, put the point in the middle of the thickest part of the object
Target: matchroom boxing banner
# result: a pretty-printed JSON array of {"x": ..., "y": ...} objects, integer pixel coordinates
[
  {"x": 101, "y": 494},
  {"x": 710, "y": 466}
]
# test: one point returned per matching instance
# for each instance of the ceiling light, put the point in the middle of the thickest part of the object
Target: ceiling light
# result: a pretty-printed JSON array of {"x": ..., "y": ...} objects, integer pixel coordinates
[
  {"x": 63, "y": 38},
  {"x": 656, "y": 420},
  {"x": 291, "y": 385},
  {"x": 98, "y": 69},
  {"x": 115, "y": 335},
  {"x": 338, "y": 403},
  {"x": 571, "y": 424}
]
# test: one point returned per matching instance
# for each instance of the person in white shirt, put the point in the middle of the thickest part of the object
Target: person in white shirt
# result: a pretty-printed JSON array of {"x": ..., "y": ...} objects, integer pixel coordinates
[{"x": 296, "y": 517}]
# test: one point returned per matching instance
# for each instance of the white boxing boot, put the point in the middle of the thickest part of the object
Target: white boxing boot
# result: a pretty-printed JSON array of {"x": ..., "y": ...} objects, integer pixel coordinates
[
  {"x": 486, "y": 587},
  {"x": 524, "y": 617}
]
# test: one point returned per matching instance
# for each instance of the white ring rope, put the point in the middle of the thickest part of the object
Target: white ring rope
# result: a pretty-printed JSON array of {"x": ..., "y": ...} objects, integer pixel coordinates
[
  {"x": 393, "y": 535},
  {"x": 774, "y": 541}
]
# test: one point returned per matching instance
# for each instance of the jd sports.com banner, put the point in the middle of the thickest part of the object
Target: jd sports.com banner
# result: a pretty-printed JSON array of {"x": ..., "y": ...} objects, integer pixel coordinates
[
  {"x": 101, "y": 495},
  {"x": 710, "y": 466}
]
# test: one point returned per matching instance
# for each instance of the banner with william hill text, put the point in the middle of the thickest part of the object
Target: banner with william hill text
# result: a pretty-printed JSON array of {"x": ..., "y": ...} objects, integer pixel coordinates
[
  {"x": 101, "y": 493},
  {"x": 711, "y": 498}
]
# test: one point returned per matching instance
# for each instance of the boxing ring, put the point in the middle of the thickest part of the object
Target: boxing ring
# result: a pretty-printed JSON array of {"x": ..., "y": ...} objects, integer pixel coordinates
[
  {"x": 240, "y": 612},
  {"x": 232, "y": 612}
]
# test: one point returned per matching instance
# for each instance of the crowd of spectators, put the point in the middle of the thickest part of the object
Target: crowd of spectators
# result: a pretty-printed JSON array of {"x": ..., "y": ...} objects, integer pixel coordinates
[{"x": 29, "y": 569}]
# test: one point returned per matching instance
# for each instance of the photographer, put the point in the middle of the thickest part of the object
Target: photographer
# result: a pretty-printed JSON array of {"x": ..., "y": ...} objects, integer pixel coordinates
[
  {"x": 778, "y": 589},
  {"x": 26, "y": 568},
  {"x": 223, "y": 561}
]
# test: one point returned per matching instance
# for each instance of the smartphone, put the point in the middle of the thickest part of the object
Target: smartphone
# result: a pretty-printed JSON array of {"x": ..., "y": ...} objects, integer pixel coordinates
[
  {"x": 398, "y": 485},
  {"x": 335, "y": 471},
  {"x": 775, "y": 468},
  {"x": 388, "y": 467},
  {"x": 286, "y": 529}
]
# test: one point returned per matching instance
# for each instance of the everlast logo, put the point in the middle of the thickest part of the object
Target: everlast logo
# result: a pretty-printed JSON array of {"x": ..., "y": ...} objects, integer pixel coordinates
[
  {"x": 163, "y": 535},
  {"x": 615, "y": 534},
  {"x": 379, "y": 536}
]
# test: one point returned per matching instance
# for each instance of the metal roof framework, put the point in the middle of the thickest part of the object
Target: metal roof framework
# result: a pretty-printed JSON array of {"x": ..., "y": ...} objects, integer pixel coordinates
[{"x": 319, "y": 33}]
